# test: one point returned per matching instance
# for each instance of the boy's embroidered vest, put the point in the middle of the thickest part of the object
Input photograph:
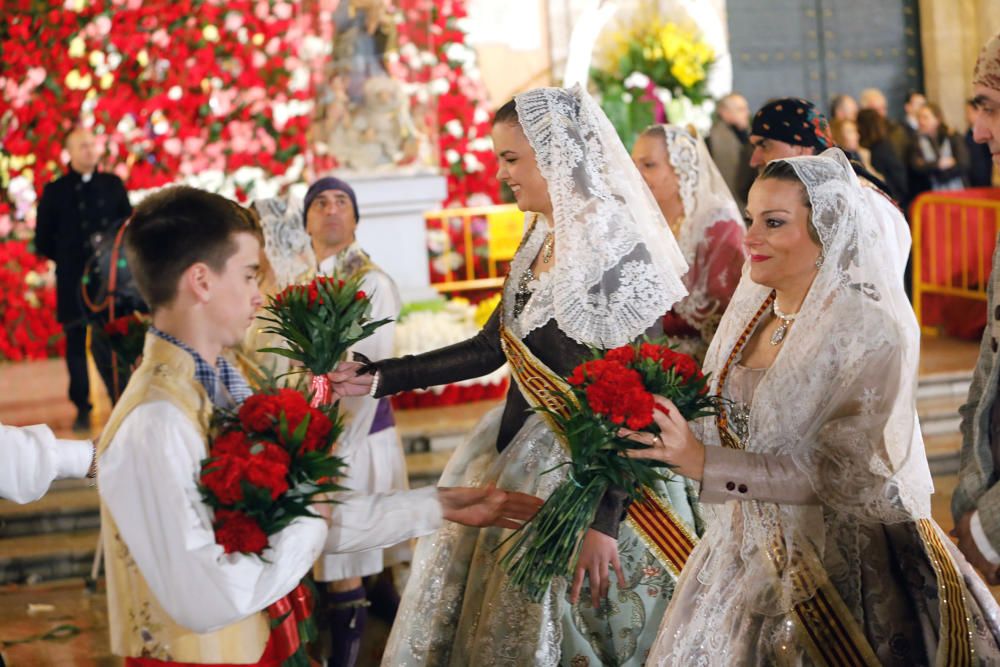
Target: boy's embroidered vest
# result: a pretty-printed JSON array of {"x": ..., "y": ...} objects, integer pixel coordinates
[{"x": 139, "y": 625}]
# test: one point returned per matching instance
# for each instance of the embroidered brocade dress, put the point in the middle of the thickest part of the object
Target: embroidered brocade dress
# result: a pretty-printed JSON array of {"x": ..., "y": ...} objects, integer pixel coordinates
[
  {"x": 897, "y": 601},
  {"x": 458, "y": 608}
]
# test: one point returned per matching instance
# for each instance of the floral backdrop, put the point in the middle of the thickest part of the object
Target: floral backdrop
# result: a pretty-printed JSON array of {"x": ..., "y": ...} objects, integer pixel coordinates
[{"x": 215, "y": 93}]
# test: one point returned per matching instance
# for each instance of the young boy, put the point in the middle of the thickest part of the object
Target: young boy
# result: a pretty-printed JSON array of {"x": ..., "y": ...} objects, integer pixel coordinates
[{"x": 174, "y": 597}]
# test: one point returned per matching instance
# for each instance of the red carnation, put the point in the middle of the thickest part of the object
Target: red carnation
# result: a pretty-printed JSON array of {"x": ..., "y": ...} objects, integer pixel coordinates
[
  {"x": 259, "y": 412},
  {"x": 223, "y": 478},
  {"x": 239, "y": 533},
  {"x": 624, "y": 355},
  {"x": 686, "y": 367},
  {"x": 231, "y": 443},
  {"x": 268, "y": 469},
  {"x": 294, "y": 405},
  {"x": 360, "y": 296},
  {"x": 317, "y": 432}
]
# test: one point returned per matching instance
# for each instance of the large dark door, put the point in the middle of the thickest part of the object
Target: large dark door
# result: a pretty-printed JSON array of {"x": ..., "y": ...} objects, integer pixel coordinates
[{"x": 819, "y": 48}]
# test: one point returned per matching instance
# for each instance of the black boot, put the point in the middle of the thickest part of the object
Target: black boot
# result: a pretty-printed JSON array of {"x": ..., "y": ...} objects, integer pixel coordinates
[{"x": 347, "y": 619}]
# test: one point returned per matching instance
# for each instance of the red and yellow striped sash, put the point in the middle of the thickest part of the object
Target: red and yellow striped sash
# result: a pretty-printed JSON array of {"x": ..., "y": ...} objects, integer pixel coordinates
[{"x": 653, "y": 520}]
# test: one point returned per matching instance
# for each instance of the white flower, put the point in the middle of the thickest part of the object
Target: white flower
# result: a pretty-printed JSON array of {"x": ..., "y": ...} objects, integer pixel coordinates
[
  {"x": 299, "y": 80},
  {"x": 663, "y": 95},
  {"x": 636, "y": 80},
  {"x": 481, "y": 145},
  {"x": 454, "y": 127},
  {"x": 96, "y": 58},
  {"x": 457, "y": 52},
  {"x": 175, "y": 93},
  {"x": 210, "y": 33},
  {"x": 472, "y": 163},
  {"x": 452, "y": 156},
  {"x": 627, "y": 98},
  {"x": 126, "y": 124},
  {"x": 439, "y": 86},
  {"x": 480, "y": 115},
  {"x": 77, "y": 47}
]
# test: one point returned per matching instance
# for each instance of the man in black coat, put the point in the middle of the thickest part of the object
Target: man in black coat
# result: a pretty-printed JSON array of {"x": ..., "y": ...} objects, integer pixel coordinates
[{"x": 74, "y": 208}]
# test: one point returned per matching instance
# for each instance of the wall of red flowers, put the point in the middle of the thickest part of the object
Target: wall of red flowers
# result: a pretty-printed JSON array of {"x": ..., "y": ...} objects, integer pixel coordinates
[{"x": 215, "y": 93}]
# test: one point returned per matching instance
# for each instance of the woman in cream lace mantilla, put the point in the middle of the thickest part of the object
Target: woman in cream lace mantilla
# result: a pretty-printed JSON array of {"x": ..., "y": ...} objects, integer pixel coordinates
[
  {"x": 598, "y": 266},
  {"x": 702, "y": 214},
  {"x": 820, "y": 547}
]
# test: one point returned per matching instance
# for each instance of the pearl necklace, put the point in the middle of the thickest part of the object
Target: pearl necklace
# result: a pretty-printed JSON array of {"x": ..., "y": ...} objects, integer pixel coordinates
[{"x": 786, "y": 320}]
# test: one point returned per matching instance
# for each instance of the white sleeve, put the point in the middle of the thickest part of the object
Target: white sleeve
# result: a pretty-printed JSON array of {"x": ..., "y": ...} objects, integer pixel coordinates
[
  {"x": 33, "y": 457},
  {"x": 361, "y": 522},
  {"x": 385, "y": 305},
  {"x": 983, "y": 542},
  {"x": 146, "y": 478}
]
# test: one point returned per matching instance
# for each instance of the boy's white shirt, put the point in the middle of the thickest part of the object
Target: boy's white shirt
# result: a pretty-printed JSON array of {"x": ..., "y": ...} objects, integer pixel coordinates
[
  {"x": 147, "y": 480},
  {"x": 31, "y": 458}
]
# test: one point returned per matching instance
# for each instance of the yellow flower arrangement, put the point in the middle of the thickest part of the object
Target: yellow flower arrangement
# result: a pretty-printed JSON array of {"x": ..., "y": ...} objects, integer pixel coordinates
[{"x": 648, "y": 65}]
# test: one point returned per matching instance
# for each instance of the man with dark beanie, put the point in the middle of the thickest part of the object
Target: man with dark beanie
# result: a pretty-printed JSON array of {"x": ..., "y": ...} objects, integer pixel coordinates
[
  {"x": 370, "y": 444},
  {"x": 788, "y": 127}
]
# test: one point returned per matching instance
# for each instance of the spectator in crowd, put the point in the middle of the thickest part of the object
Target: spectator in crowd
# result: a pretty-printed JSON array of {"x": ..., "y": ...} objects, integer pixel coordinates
[
  {"x": 729, "y": 145},
  {"x": 937, "y": 158},
  {"x": 980, "y": 171},
  {"x": 843, "y": 107},
  {"x": 73, "y": 210},
  {"x": 874, "y": 131},
  {"x": 905, "y": 133}
]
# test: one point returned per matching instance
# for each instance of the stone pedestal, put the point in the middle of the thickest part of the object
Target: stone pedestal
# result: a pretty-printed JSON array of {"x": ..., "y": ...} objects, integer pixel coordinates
[{"x": 392, "y": 228}]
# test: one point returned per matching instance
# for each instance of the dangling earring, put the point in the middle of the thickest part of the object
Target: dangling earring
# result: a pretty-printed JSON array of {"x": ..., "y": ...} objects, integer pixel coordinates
[{"x": 819, "y": 260}]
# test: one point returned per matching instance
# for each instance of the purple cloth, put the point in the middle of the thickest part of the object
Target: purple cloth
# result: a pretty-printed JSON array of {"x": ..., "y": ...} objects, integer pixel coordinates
[{"x": 383, "y": 417}]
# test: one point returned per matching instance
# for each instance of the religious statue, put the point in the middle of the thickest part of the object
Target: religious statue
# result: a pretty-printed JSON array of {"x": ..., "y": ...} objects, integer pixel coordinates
[{"x": 363, "y": 114}]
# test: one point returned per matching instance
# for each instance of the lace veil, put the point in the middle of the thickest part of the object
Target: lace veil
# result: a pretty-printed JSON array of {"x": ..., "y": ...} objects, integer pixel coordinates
[
  {"x": 286, "y": 243},
  {"x": 618, "y": 266},
  {"x": 839, "y": 399},
  {"x": 704, "y": 192}
]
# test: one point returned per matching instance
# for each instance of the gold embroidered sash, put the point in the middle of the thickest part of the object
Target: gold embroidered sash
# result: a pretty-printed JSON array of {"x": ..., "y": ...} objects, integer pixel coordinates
[{"x": 659, "y": 527}]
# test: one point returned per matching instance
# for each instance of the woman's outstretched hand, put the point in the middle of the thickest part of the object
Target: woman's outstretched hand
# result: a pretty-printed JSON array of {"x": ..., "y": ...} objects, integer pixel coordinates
[
  {"x": 675, "y": 444},
  {"x": 345, "y": 380},
  {"x": 487, "y": 506}
]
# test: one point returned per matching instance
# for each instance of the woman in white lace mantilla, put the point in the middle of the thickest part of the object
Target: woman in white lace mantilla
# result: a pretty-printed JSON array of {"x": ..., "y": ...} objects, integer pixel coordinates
[
  {"x": 820, "y": 548},
  {"x": 599, "y": 267},
  {"x": 701, "y": 212}
]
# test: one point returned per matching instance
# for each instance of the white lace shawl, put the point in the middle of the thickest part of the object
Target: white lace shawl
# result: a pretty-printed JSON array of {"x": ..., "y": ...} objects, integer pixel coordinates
[
  {"x": 618, "y": 266},
  {"x": 839, "y": 399},
  {"x": 707, "y": 202}
]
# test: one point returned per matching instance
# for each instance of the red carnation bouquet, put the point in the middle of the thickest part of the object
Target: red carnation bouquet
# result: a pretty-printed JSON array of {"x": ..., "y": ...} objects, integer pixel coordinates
[
  {"x": 267, "y": 464},
  {"x": 613, "y": 390},
  {"x": 319, "y": 322}
]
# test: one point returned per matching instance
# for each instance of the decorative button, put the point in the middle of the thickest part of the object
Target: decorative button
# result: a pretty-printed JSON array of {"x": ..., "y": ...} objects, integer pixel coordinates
[
  {"x": 743, "y": 488},
  {"x": 730, "y": 486}
]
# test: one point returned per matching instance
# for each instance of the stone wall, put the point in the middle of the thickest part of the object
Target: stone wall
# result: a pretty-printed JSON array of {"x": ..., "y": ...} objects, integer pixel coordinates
[{"x": 952, "y": 32}]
